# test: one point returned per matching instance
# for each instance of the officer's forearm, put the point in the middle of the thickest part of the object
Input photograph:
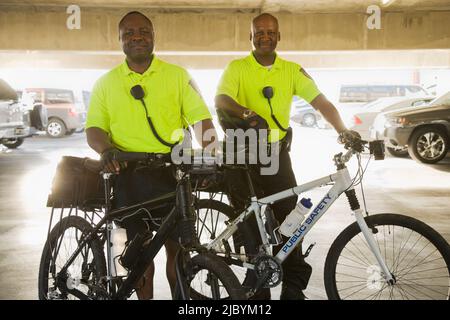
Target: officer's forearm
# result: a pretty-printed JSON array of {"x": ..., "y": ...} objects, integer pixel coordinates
[
  {"x": 205, "y": 133},
  {"x": 227, "y": 103},
  {"x": 329, "y": 112},
  {"x": 98, "y": 139}
]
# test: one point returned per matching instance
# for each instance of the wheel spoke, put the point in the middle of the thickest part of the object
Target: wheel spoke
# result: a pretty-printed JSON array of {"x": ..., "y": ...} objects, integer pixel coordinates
[
  {"x": 412, "y": 253},
  {"x": 413, "y": 286}
]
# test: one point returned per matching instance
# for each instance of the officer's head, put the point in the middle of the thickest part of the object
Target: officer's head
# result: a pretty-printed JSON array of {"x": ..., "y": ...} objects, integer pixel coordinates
[
  {"x": 136, "y": 36},
  {"x": 265, "y": 34}
]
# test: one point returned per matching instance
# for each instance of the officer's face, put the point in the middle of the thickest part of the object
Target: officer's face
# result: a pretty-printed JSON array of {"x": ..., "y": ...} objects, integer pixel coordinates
[
  {"x": 136, "y": 36},
  {"x": 265, "y": 35}
]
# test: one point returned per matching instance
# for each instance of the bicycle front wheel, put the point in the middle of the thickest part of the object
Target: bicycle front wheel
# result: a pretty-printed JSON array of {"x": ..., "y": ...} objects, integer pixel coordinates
[
  {"x": 209, "y": 278},
  {"x": 417, "y": 256},
  {"x": 83, "y": 277}
]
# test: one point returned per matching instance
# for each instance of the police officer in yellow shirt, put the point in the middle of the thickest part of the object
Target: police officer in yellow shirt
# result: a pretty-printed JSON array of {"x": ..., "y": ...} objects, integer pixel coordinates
[
  {"x": 118, "y": 120},
  {"x": 262, "y": 85}
]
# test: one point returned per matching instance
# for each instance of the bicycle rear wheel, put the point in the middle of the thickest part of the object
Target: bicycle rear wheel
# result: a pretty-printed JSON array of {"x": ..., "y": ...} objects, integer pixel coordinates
[
  {"x": 209, "y": 278},
  {"x": 417, "y": 256},
  {"x": 84, "y": 276},
  {"x": 212, "y": 218}
]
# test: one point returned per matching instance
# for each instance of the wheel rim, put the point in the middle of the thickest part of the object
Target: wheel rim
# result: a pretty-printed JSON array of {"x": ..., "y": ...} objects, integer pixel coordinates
[
  {"x": 10, "y": 142},
  {"x": 309, "y": 120},
  {"x": 430, "y": 145},
  {"x": 79, "y": 274},
  {"x": 207, "y": 285},
  {"x": 419, "y": 268},
  {"x": 54, "y": 129},
  {"x": 210, "y": 223}
]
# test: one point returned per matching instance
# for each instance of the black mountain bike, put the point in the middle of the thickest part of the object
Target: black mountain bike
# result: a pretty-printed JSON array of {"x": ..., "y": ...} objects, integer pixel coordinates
[{"x": 73, "y": 264}]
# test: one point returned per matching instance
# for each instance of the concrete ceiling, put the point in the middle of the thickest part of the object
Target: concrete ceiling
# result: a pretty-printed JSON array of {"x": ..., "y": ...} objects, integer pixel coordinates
[{"x": 293, "y": 6}]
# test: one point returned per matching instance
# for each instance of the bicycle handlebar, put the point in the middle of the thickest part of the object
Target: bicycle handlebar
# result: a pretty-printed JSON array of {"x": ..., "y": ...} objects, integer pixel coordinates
[
  {"x": 356, "y": 146},
  {"x": 375, "y": 147}
]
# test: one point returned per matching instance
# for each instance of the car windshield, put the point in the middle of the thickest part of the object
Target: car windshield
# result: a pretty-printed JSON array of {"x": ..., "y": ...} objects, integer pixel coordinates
[{"x": 441, "y": 100}]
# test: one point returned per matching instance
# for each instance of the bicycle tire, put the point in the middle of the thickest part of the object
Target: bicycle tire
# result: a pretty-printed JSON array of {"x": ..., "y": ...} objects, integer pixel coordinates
[
  {"x": 217, "y": 271},
  {"x": 95, "y": 247},
  {"x": 242, "y": 238},
  {"x": 374, "y": 284}
]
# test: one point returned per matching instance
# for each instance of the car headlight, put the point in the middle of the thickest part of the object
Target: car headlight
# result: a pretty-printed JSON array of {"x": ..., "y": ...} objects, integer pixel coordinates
[{"x": 396, "y": 122}]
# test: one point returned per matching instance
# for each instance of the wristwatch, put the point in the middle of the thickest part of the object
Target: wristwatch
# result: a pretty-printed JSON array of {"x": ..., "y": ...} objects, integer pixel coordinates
[{"x": 246, "y": 113}]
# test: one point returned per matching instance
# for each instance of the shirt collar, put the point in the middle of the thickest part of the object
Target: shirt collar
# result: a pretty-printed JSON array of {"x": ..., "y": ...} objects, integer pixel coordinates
[
  {"x": 255, "y": 63},
  {"x": 154, "y": 66}
]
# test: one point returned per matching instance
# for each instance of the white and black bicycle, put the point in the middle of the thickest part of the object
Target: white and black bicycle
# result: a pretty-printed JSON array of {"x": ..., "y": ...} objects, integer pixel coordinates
[{"x": 382, "y": 256}]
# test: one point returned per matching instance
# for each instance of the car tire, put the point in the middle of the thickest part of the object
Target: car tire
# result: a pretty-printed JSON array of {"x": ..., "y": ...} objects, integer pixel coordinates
[
  {"x": 12, "y": 143},
  {"x": 399, "y": 153},
  {"x": 428, "y": 145},
  {"x": 56, "y": 128},
  {"x": 309, "y": 120}
]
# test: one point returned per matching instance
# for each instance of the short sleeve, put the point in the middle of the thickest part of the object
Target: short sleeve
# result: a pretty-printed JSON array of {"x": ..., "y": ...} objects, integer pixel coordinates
[
  {"x": 97, "y": 115},
  {"x": 193, "y": 106},
  {"x": 229, "y": 82},
  {"x": 305, "y": 86}
]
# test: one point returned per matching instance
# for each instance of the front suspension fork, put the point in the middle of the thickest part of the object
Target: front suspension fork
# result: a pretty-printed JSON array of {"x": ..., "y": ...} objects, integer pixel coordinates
[{"x": 354, "y": 205}]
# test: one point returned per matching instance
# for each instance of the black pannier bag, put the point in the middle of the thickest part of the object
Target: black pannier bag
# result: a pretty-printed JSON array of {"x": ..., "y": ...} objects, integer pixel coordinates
[{"x": 75, "y": 186}]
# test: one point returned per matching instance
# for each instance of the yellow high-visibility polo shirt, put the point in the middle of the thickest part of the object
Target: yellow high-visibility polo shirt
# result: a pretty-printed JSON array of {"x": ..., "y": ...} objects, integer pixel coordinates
[
  {"x": 172, "y": 101},
  {"x": 244, "y": 79}
]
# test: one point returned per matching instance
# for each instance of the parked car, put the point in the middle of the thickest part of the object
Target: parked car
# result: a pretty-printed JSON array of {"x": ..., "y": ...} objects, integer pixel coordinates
[
  {"x": 65, "y": 114},
  {"x": 304, "y": 113},
  {"x": 19, "y": 119},
  {"x": 423, "y": 131},
  {"x": 368, "y": 93},
  {"x": 364, "y": 116}
]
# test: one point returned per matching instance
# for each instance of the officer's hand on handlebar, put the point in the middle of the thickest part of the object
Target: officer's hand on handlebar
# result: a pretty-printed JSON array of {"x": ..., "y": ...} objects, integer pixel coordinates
[
  {"x": 351, "y": 139},
  {"x": 109, "y": 162},
  {"x": 348, "y": 136}
]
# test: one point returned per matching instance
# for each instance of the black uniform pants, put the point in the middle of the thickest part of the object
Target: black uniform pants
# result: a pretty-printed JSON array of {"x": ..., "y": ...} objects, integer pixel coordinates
[{"x": 134, "y": 185}]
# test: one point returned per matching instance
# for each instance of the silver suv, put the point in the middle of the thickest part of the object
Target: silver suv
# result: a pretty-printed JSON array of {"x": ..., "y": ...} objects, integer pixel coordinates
[{"x": 19, "y": 119}]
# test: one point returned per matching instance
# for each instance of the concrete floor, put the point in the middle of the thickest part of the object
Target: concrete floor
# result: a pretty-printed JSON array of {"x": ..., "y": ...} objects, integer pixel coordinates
[{"x": 393, "y": 185}]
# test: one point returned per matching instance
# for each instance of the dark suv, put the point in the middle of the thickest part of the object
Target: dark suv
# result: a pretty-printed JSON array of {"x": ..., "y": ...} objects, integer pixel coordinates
[{"x": 424, "y": 131}]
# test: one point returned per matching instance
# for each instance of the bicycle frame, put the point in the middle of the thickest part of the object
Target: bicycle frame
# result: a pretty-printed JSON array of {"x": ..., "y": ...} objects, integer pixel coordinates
[
  {"x": 160, "y": 237},
  {"x": 341, "y": 182}
]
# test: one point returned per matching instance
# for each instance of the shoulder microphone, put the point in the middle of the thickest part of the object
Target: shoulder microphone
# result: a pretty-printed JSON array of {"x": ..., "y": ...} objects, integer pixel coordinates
[{"x": 137, "y": 92}]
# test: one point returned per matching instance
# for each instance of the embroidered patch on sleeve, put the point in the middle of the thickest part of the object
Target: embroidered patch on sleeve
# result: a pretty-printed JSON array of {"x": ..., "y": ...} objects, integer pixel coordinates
[{"x": 305, "y": 73}]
